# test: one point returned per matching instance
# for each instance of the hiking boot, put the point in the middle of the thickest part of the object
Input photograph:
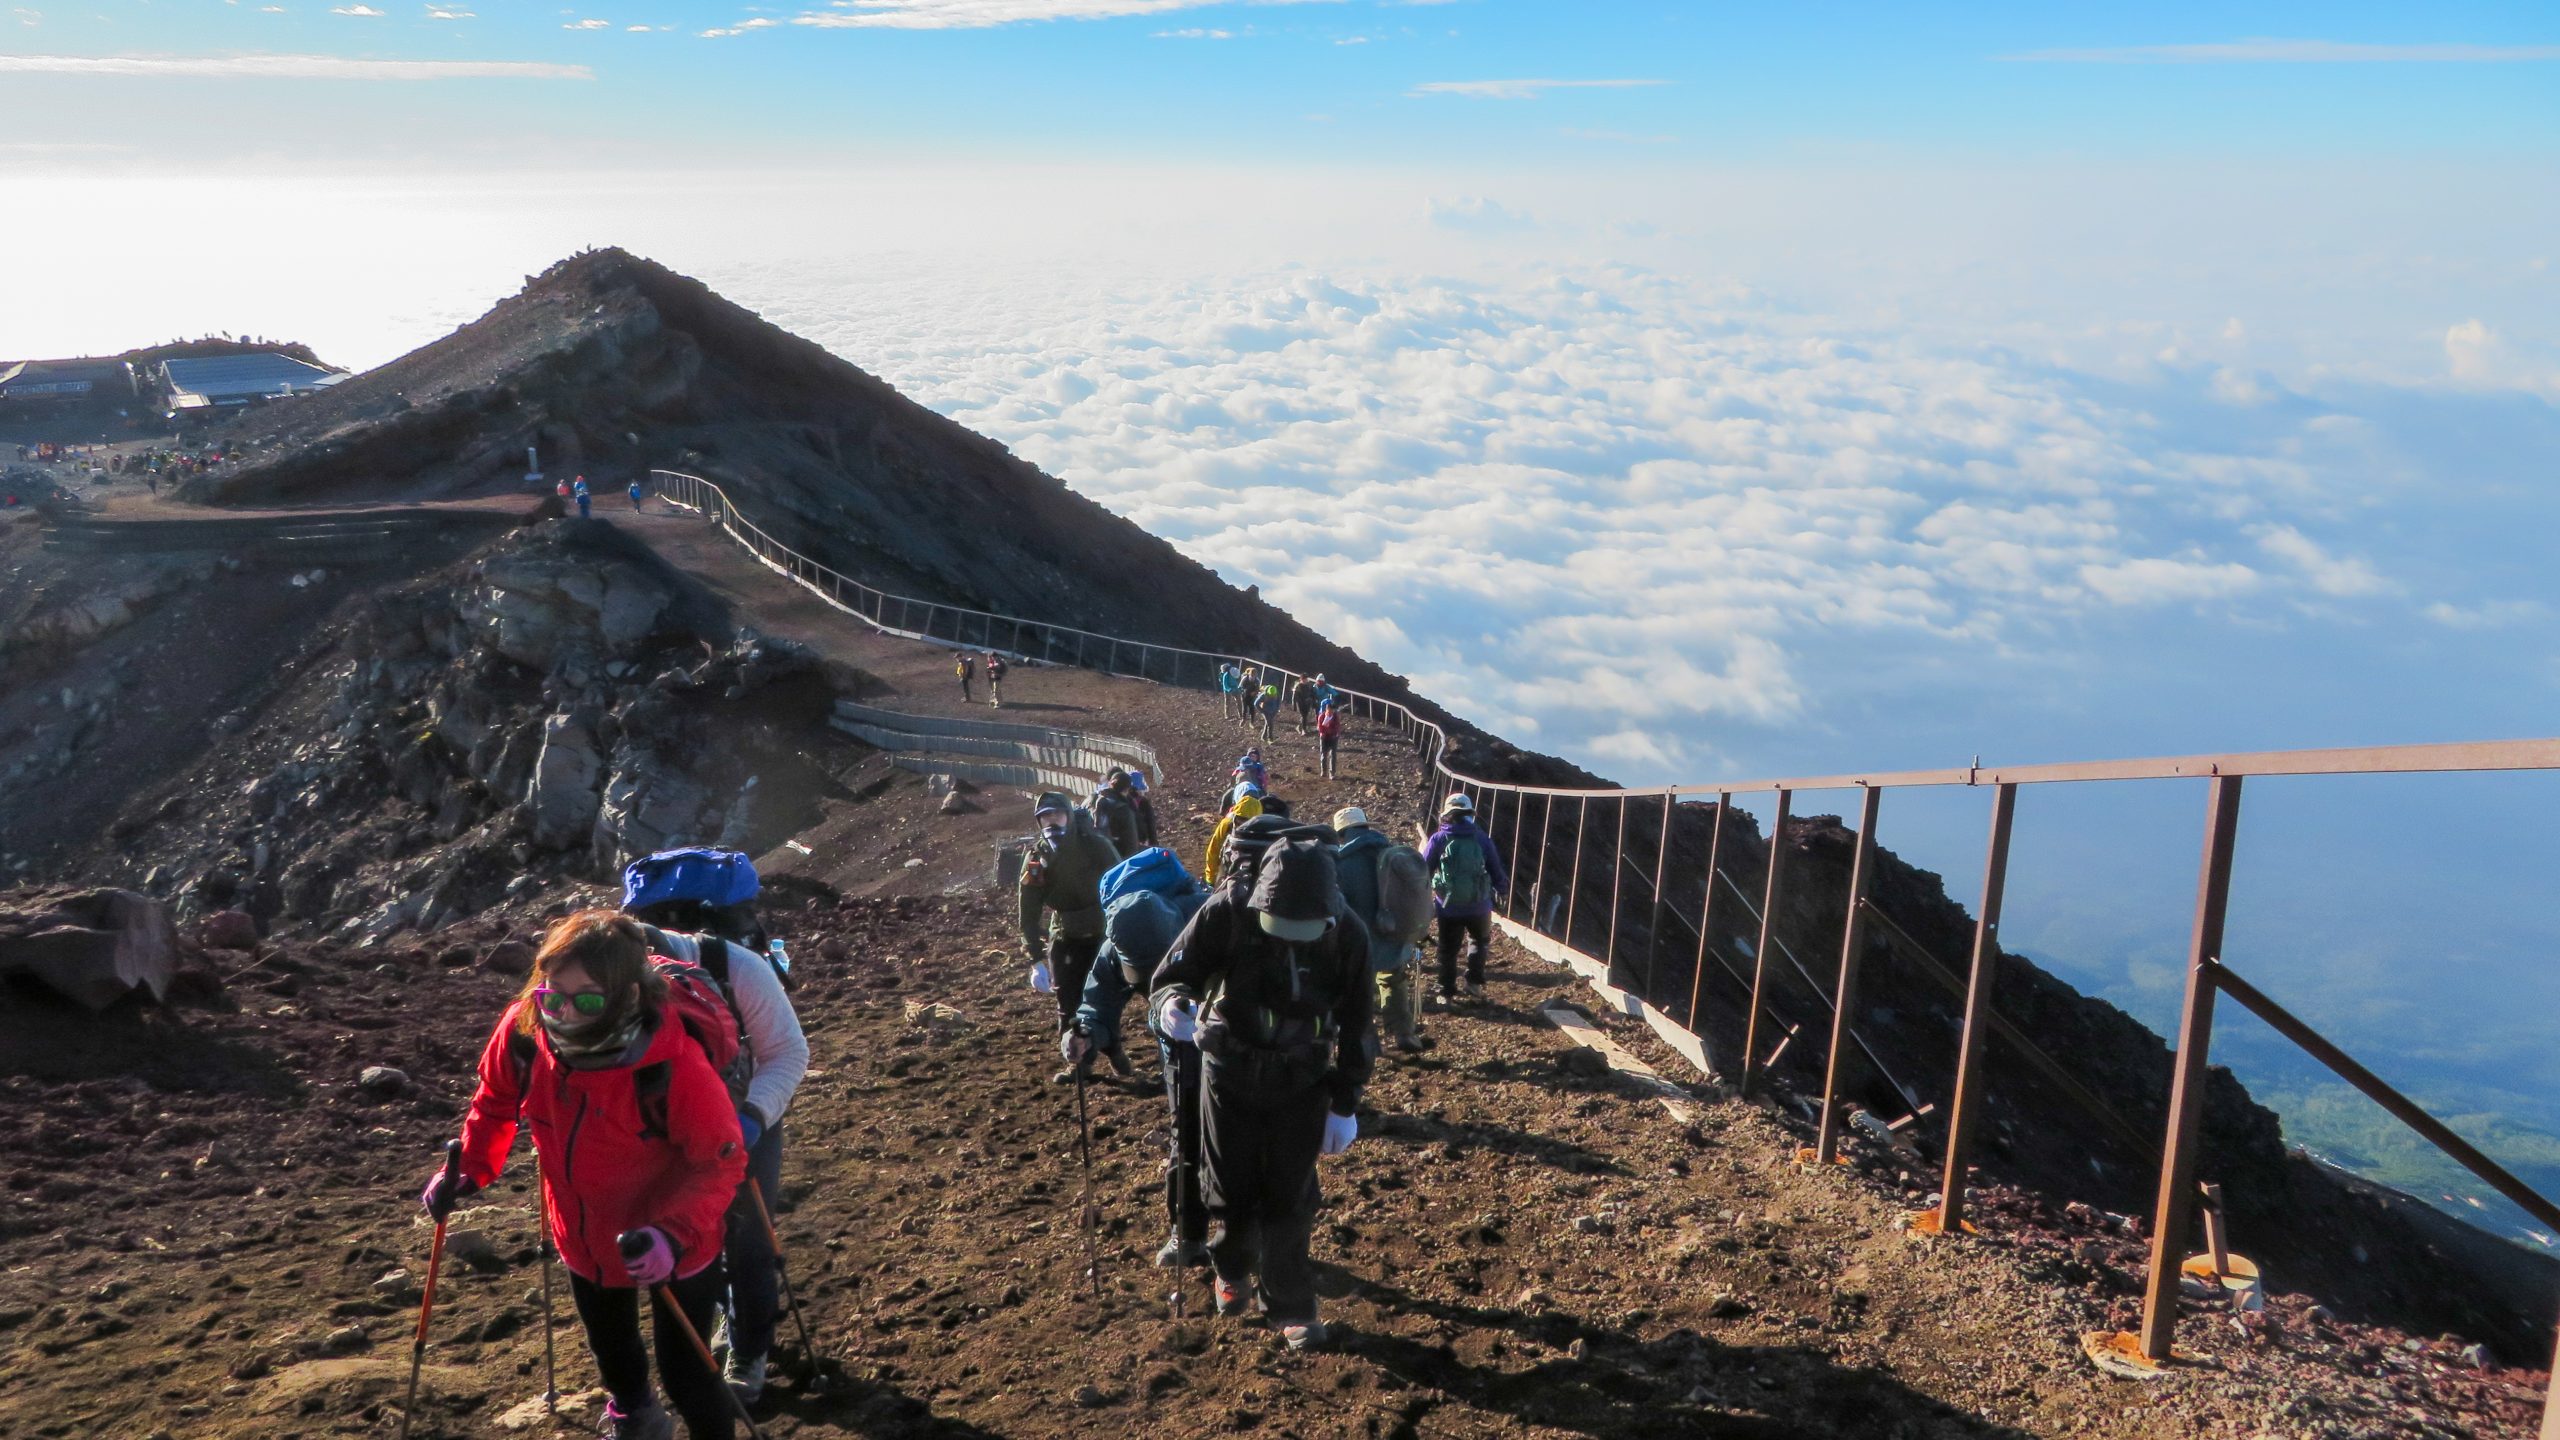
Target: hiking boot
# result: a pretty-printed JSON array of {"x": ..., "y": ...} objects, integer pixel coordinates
[
  {"x": 1230, "y": 1299},
  {"x": 746, "y": 1377},
  {"x": 1304, "y": 1335},
  {"x": 650, "y": 1422},
  {"x": 1475, "y": 991},
  {"x": 1118, "y": 1059},
  {"x": 1174, "y": 1252},
  {"x": 1414, "y": 1043}
]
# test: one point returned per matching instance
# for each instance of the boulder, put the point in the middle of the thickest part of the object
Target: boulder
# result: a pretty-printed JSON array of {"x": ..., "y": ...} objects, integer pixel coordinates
[
  {"x": 228, "y": 930},
  {"x": 563, "y": 791},
  {"x": 91, "y": 946}
]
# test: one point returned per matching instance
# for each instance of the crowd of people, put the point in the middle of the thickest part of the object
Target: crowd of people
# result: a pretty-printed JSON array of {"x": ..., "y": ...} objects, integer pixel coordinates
[{"x": 654, "y": 1052}]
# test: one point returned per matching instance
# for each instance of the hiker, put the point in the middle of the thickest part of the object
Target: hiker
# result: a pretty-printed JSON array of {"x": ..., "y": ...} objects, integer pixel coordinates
[
  {"x": 584, "y": 497},
  {"x": 1063, "y": 875},
  {"x": 561, "y": 489},
  {"x": 603, "y": 1058},
  {"x": 1303, "y": 695},
  {"x": 1270, "y": 712},
  {"x": 966, "y": 666},
  {"x": 995, "y": 680},
  {"x": 695, "y": 906},
  {"x": 1273, "y": 986},
  {"x": 1386, "y": 885},
  {"x": 1248, "y": 803},
  {"x": 1327, "y": 695},
  {"x": 1146, "y": 899},
  {"x": 1146, "y": 808},
  {"x": 1466, "y": 877},
  {"x": 1249, "y": 766},
  {"x": 1117, "y": 813},
  {"x": 636, "y": 492},
  {"x": 1328, "y": 739},
  {"x": 1249, "y": 696},
  {"x": 1230, "y": 682}
]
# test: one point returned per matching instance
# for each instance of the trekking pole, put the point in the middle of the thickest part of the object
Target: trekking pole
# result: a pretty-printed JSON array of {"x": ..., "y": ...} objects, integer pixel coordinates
[
  {"x": 817, "y": 1382},
  {"x": 634, "y": 1245},
  {"x": 1181, "y": 1193},
  {"x": 542, "y": 1223},
  {"x": 427, "y": 1301},
  {"x": 1092, "y": 1212}
]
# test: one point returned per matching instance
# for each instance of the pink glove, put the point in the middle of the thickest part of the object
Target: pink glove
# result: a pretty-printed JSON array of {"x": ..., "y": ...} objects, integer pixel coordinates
[{"x": 648, "y": 1256}]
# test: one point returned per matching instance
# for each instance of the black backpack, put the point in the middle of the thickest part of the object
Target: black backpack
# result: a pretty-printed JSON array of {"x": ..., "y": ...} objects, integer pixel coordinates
[{"x": 1249, "y": 842}]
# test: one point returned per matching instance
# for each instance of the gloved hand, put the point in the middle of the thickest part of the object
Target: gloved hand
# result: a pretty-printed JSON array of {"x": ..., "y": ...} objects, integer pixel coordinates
[
  {"x": 438, "y": 1199},
  {"x": 750, "y": 1128},
  {"x": 1073, "y": 1047},
  {"x": 1040, "y": 980},
  {"x": 648, "y": 1256},
  {"x": 1339, "y": 1132},
  {"x": 1177, "y": 1019}
]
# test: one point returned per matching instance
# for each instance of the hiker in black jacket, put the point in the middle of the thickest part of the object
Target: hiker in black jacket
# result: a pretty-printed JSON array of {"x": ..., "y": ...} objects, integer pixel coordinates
[
  {"x": 1273, "y": 985},
  {"x": 1115, "y": 810}
]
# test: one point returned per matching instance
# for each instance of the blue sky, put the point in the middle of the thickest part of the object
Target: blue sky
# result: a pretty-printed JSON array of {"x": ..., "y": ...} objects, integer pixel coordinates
[{"x": 1695, "y": 391}]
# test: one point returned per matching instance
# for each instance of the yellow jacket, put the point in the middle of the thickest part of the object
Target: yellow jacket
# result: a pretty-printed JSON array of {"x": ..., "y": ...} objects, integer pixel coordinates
[{"x": 1246, "y": 809}]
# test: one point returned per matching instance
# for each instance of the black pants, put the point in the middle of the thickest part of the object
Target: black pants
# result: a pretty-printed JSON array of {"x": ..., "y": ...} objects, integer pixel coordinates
[
  {"x": 964, "y": 690},
  {"x": 1258, "y": 1178},
  {"x": 755, "y": 1277},
  {"x": 1186, "y": 1211},
  {"x": 1473, "y": 933},
  {"x": 1326, "y": 745},
  {"x": 1070, "y": 960},
  {"x": 694, "y": 1391}
]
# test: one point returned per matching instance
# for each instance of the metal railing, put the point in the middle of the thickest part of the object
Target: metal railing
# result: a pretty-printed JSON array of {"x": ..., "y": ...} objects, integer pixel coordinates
[{"x": 2207, "y": 976}]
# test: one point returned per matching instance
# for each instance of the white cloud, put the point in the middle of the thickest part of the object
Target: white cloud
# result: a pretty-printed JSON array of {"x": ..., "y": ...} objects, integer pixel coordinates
[
  {"x": 1613, "y": 512},
  {"x": 590, "y": 23},
  {"x": 1520, "y": 89},
  {"x": 28, "y": 17},
  {"x": 448, "y": 12},
  {"x": 2328, "y": 574},
  {"x": 1195, "y": 33},
  {"x": 2487, "y": 615},
  {"x": 761, "y": 22},
  {"x": 2473, "y": 350},
  {"x": 1481, "y": 216},
  {"x": 2295, "y": 52},
  {"x": 365, "y": 11},
  {"x": 987, "y": 14},
  {"x": 289, "y": 67}
]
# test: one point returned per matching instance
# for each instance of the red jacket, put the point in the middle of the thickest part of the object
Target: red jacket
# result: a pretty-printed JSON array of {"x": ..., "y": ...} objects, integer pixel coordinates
[{"x": 654, "y": 1142}]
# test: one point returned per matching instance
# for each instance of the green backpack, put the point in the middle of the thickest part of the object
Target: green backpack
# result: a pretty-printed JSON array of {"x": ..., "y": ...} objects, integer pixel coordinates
[{"x": 1461, "y": 880}]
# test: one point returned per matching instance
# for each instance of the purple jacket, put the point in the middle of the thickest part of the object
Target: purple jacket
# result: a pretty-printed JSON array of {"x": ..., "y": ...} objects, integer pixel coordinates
[{"x": 1500, "y": 880}]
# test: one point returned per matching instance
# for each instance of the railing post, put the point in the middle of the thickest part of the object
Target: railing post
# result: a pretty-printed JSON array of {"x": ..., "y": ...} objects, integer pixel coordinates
[
  {"x": 1770, "y": 895},
  {"x": 1707, "y": 910},
  {"x": 1653, "y": 916},
  {"x": 1538, "y": 896},
  {"x": 1862, "y": 877},
  {"x": 1511, "y": 902},
  {"x": 1976, "y": 1037},
  {"x": 1617, "y": 880},
  {"x": 2176, "y": 1205},
  {"x": 1573, "y": 879}
]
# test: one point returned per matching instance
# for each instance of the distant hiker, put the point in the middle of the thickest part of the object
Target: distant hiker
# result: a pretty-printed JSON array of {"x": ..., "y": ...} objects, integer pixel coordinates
[
  {"x": 561, "y": 489},
  {"x": 1063, "y": 875},
  {"x": 1230, "y": 683},
  {"x": 1270, "y": 712},
  {"x": 1249, "y": 696},
  {"x": 696, "y": 906},
  {"x": 1303, "y": 695},
  {"x": 995, "y": 680},
  {"x": 1389, "y": 888},
  {"x": 1248, "y": 804},
  {"x": 965, "y": 665},
  {"x": 1328, "y": 738},
  {"x": 1117, "y": 813},
  {"x": 1274, "y": 987},
  {"x": 1327, "y": 695},
  {"x": 1466, "y": 876},
  {"x": 1249, "y": 766},
  {"x": 611, "y": 1061},
  {"x": 584, "y": 497},
  {"x": 1146, "y": 807},
  {"x": 635, "y": 493}
]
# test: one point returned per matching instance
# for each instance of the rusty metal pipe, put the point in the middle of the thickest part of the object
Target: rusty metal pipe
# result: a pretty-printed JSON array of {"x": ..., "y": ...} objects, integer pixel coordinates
[
  {"x": 1853, "y": 935},
  {"x": 1573, "y": 879},
  {"x": 1983, "y": 973},
  {"x": 1653, "y": 916},
  {"x": 2175, "y": 1208},
  {"x": 1707, "y": 907},
  {"x": 1770, "y": 895},
  {"x": 1617, "y": 883}
]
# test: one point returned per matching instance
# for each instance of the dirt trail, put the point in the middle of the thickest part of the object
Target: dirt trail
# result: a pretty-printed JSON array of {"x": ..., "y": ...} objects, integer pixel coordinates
[{"x": 200, "y": 1209}]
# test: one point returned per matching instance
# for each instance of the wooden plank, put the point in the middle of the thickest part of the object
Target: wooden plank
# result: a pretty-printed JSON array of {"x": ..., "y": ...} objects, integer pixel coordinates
[{"x": 1579, "y": 1029}]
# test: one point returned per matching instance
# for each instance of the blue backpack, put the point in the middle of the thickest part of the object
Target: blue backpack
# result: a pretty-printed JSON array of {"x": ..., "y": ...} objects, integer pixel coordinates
[
  {"x": 703, "y": 876},
  {"x": 1159, "y": 870}
]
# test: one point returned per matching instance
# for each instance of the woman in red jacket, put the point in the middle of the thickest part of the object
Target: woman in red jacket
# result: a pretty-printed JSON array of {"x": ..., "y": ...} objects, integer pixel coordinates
[{"x": 634, "y": 1132}]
